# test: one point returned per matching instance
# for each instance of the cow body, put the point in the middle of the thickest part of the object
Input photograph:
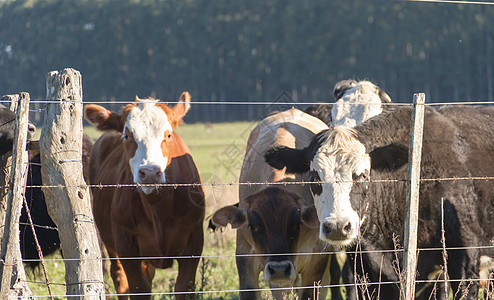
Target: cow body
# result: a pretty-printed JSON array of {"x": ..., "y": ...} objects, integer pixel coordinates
[
  {"x": 457, "y": 142},
  {"x": 147, "y": 220},
  {"x": 291, "y": 127}
]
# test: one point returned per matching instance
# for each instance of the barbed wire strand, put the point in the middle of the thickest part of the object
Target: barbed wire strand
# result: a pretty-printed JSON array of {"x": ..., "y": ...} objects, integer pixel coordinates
[
  {"x": 248, "y": 183},
  {"x": 259, "y": 254},
  {"x": 292, "y": 289},
  {"x": 257, "y": 102}
]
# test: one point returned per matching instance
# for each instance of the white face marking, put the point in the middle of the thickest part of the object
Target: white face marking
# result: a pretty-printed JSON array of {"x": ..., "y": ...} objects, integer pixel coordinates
[
  {"x": 148, "y": 123},
  {"x": 335, "y": 165},
  {"x": 358, "y": 104}
]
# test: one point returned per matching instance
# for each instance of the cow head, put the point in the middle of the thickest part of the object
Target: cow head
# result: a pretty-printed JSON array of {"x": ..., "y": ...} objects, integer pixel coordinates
[
  {"x": 337, "y": 159},
  {"x": 274, "y": 217},
  {"x": 7, "y": 128},
  {"x": 146, "y": 128},
  {"x": 356, "y": 102}
]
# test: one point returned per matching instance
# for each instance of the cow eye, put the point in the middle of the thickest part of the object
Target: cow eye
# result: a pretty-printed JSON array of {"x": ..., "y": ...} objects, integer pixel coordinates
[
  {"x": 254, "y": 229},
  {"x": 361, "y": 177},
  {"x": 125, "y": 137},
  {"x": 316, "y": 188}
]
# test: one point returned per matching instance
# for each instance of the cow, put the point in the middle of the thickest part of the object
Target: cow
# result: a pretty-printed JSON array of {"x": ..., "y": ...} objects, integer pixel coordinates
[
  {"x": 355, "y": 102},
  {"x": 278, "y": 222},
  {"x": 45, "y": 228},
  {"x": 290, "y": 128},
  {"x": 7, "y": 128},
  {"x": 144, "y": 211},
  {"x": 457, "y": 142}
]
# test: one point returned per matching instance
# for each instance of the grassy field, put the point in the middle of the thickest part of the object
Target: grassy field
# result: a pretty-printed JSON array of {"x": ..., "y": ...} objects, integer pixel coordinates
[{"x": 218, "y": 150}]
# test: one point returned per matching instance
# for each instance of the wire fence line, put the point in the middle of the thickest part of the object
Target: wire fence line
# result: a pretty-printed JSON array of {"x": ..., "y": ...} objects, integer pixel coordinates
[
  {"x": 248, "y": 183},
  {"x": 266, "y": 102},
  {"x": 213, "y": 184},
  {"x": 267, "y": 290},
  {"x": 261, "y": 254}
]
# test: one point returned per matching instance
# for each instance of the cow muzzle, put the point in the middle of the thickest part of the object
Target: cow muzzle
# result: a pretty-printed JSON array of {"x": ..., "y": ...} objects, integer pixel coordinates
[
  {"x": 150, "y": 174},
  {"x": 339, "y": 232},
  {"x": 280, "y": 273}
]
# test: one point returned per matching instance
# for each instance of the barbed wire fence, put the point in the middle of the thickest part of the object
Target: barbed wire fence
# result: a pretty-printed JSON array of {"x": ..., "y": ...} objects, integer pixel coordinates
[{"x": 227, "y": 158}]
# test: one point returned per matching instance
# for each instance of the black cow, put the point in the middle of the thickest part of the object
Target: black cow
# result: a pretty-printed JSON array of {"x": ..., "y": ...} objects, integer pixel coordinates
[
  {"x": 457, "y": 142},
  {"x": 46, "y": 230},
  {"x": 7, "y": 128}
]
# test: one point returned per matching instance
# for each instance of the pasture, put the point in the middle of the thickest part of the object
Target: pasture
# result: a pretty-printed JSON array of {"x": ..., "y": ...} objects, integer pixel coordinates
[{"x": 218, "y": 150}]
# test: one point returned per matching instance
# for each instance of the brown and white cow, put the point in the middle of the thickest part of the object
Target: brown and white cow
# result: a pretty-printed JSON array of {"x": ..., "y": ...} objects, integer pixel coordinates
[
  {"x": 267, "y": 214},
  {"x": 140, "y": 147}
]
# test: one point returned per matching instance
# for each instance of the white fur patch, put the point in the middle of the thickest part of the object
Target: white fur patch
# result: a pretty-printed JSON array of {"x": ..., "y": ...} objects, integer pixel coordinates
[
  {"x": 358, "y": 104},
  {"x": 335, "y": 162},
  {"x": 148, "y": 124}
]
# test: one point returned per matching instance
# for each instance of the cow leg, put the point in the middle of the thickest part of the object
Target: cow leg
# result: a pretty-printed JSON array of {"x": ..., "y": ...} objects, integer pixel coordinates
[
  {"x": 187, "y": 267},
  {"x": 248, "y": 268},
  {"x": 118, "y": 274},
  {"x": 335, "y": 273},
  {"x": 148, "y": 270},
  {"x": 464, "y": 264},
  {"x": 348, "y": 276},
  {"x": 248, "y": 274},
  {"x": 138, "y": 283},
  {"x": 316, "y": 273},
  {"x": 127, "y": 248}
]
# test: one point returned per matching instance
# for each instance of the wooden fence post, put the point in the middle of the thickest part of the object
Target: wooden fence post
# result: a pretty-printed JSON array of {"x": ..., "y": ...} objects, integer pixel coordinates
[
  {"x": 413, "y": 186},
  {"x": 69, "y": 201},
  {"x": 12, "y": 276}
]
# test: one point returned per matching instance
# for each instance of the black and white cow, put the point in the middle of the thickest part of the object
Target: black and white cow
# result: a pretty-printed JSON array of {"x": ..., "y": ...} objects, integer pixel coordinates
[
  {"x": 356, "y": 101},
  {"x": 457, "y": 142}
]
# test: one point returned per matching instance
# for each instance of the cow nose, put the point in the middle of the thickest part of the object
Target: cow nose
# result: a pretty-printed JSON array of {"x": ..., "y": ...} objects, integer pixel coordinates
[
  {"x": 150, "y": 174},
  {"x": 31, "y": 130},
  {"x": 335, "y": 230},
  {"x": 279, "y": 270}
]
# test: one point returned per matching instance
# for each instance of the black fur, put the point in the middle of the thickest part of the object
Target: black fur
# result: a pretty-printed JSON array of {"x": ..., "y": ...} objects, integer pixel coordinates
[
  {"x": 342, "y": 86},
  {"x": 389, "y": 158},
  {"x": 321, "y": 111},
  {"x": 7, "y": 128},
  {"x": 46, "y": 230},
  {"x": 294, "y": 160}
]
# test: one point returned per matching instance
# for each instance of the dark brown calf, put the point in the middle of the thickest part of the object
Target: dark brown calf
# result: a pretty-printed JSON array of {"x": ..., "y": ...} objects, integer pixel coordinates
[{"x": 276, "y": 218}]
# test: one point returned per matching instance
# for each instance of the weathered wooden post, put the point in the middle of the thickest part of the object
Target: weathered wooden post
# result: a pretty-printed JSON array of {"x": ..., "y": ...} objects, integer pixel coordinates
[
  {"x": 12, "y": 276},
  {"x": 413, "y": 187},
  {"x": 69, "y": 202}
]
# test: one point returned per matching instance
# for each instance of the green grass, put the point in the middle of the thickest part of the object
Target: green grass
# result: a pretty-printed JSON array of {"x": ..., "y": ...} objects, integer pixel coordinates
[{"x": 218, "y": 150}]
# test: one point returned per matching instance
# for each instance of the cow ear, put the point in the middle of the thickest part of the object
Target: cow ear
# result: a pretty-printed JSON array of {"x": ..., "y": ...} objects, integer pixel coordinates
[
  {"x": 229, "y": 215},
  {"x": 389, "y": 158},
  {"x": 295, "y": 160},
  {"x": 102, "y": 118},
  {"x": 309, "y": 217},
  {"x": 181, "y": 109}
]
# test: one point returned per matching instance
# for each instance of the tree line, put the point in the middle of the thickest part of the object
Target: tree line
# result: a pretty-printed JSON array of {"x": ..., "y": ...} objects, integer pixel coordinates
[{"x": 256, "y": 50}]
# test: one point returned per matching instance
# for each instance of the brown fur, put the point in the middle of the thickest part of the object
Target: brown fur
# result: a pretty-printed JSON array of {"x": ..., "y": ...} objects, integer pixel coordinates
[
  {"x": 291, "y": 128},
  {"x": 131, "y": 223}
]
